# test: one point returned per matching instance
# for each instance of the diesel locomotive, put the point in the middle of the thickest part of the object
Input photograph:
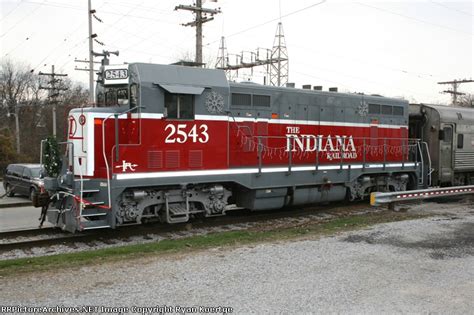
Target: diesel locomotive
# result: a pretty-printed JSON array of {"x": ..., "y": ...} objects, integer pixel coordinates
[{"x": 169, "y": 143}]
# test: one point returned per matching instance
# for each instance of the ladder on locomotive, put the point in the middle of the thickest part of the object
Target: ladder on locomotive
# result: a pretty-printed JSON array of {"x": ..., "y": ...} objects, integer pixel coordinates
[{"x": 92, "y": 214}]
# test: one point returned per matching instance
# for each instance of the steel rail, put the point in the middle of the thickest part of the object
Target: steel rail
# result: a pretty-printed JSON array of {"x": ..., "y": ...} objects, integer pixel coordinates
[{"x": 238, "y": 216}]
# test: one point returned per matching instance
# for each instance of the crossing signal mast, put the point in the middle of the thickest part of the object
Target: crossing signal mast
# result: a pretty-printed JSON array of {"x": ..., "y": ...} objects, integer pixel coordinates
[{"x": 275, "y": 60}]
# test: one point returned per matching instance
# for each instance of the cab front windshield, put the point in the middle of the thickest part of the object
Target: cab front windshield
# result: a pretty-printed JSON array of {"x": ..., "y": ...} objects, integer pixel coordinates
[{"x": 112, "y": 96}]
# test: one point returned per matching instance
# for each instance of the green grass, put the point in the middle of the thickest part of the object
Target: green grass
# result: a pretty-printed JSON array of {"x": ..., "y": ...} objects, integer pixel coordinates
[{"x": 221, "y": 239}]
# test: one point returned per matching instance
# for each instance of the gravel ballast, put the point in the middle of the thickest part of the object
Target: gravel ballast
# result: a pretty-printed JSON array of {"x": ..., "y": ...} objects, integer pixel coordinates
[{"x": 416, "y": 266}]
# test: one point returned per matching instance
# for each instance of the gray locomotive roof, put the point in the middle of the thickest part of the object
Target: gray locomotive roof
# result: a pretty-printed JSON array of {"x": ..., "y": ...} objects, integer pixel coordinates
[
  {"x": 450, "y": 113},
  {"x": 366, "y": 97},
  {"x": 180, "y": 75}
]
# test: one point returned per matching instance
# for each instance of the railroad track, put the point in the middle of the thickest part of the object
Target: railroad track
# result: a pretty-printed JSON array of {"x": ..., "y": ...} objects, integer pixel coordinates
[
  {"x": 27, "y": 233},
  {"x": 28, "y": 239}
]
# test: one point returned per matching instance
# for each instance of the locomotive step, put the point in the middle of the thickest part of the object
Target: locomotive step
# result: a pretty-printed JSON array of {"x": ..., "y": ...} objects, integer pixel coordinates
[
  {"x": 85, "y": 215},
  {"x": 99, "y": 224},
  {"x": 91, "y": 204},
  {"x": 178, "y": 210},
  {"x": 89, "y": 191}
]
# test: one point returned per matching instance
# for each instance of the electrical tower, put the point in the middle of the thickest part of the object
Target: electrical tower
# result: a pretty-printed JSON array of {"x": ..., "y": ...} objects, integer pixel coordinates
[
  {"x": 54, "y": 90},
  {"x": 279, "y": 68},
  {"x": 200, "y": 18},
  {"x": 275, "y": 60},
  {"x": 222, "y": 56},
  {"x": 454, "y": 92}
]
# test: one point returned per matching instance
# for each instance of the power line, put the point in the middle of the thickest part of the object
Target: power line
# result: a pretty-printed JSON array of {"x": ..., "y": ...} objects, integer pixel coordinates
[
  {"x": 19, "y": 44},
  {"x": 81, "y": 41},
  {"x": 49, "y": 54},
  {"x": 150, "y": 39},
  {"x": 347, "y": 75},
  {"x": 414, "y": 19},
  {"x": 142, "y": 7},
  {"x": 275, "y": 60},
  {"x": 270, "y": 21},
  {"x": 121, "y": 17},
  {"x": 76, "y": 8},
  {"x": 425, "y": 76},
  {"x": 449, "y": 8},
  {"x": 3, "y": 18},
  {"x": 66, "y": 38},
  {"x": 25, "y": 18}
]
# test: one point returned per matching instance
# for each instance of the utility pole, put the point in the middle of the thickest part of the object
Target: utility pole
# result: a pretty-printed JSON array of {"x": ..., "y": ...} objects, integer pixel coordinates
[
  {"x": 200, "y": 19},
  {"x": 90, "y": 12},
  {"x": 454, "y": 92},
  {"x": 53, "y": 92},
  {"x": 85, "y": 69},
  {"x": 17, "y": 123},
  {"x": 17, "y": 126}
]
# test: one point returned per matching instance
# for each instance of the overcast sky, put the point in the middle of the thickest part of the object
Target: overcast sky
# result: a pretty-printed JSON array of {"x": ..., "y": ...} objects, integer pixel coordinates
[{"x": 399, "y": 49}]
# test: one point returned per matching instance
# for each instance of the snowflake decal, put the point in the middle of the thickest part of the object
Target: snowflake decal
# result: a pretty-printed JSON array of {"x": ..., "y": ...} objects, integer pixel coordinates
[
  {"x": 363, "y": 109},
  {"x": 214, "y": 103}
]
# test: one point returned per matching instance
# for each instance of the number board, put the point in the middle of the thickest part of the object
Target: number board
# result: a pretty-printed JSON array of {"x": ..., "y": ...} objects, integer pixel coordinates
[{"x": 116, "y": 74}]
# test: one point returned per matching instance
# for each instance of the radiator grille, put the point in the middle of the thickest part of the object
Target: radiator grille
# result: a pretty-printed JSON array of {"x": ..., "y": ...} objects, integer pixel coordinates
[
  {"x": 155, "y": 159},
  {"x": 195, "y": 158},
  {"x": 172, "y": 159}
]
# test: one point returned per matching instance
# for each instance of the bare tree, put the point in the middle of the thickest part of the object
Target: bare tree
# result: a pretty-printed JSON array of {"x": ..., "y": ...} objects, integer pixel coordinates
[
  {"x": 466, "y": 100},
  {"x": 24, "y": 101},
  {"x": 75, "y": 96},
  {"x": 15, "y": 82},
  {"x": 188, "y": 57}
]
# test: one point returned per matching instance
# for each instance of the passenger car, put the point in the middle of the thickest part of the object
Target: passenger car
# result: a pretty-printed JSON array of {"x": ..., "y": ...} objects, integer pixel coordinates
[
  {"x": 449, "y": 133},
  {"x": 23, "y": 179}
]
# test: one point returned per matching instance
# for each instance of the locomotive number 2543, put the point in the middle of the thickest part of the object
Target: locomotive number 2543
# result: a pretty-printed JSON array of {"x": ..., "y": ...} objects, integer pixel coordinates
[{"x": 180, "y": 133}]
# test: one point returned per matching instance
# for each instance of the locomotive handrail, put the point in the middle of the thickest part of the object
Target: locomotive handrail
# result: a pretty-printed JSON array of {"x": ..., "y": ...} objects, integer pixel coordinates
[
  {"x": 406, "y": 145},
  {"x": 107, "y": 168},
  {"x": 422, "y": 162},
  {"x": 363, "y": 156},
  {"x": 430, "y": 170}
]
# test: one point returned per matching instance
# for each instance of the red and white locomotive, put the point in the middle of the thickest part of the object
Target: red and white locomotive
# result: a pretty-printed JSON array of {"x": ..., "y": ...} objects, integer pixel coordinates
[{"x": 170, "y": 142}]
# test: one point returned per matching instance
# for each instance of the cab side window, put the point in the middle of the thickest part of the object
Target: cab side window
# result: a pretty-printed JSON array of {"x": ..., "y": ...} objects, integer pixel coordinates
[{"x": 179, "y": 106}]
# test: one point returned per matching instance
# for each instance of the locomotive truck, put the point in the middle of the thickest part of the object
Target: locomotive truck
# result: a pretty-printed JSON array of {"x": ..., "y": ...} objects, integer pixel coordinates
[{"x": 168, "y": 143}]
